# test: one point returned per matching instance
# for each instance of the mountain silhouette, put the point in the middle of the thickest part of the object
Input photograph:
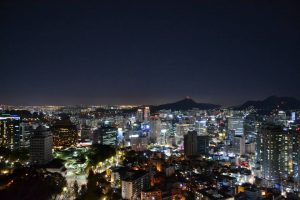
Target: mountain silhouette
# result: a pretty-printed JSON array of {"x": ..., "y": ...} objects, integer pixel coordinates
[
  {"x": 271, "y": 103},
  {"x": 185, "y": 104}
]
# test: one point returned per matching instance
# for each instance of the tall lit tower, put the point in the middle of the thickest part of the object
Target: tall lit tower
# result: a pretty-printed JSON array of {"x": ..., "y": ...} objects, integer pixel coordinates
[
  {"x": 139, "y": 115},
  {"x": 10, "y": 132},
  {"x": 146, "y": 113},
  {"x": 296, "y": 155},
  {"x": 274, "y": 152}
]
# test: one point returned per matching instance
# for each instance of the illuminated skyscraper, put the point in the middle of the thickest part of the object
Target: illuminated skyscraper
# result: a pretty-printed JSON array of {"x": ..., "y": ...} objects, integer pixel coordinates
[
  {"x": 200, "y": 127},
  {"x": 274, "y": 152},
  {"x": 296, "y": 155},
  {"x": 25, "y": 132},
  {"x": 139, "y": 115},
  {"x": 146, "y": 113},
  {"x": 10, "y": 132}
]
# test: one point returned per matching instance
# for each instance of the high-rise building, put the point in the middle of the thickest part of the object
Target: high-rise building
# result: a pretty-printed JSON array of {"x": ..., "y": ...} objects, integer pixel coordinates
[
  {"x": 236, "y": 125},
  {"x": 203, "y": 144},
  {"x": 41, "y": 144},
  {"x": 181, "y": 131},
  {"x": 10, "y": 132},
  {"x": 134, "y": 183},
  {"x": 155, "y": 128},
  {"x": 293, "y": 116},
  {"x": 274, "y": 152},
  {"x": 143, "y": 115},
  {"x": 139, "y": 115},
  {"x": 196, "y": 145},
  {"x": 139, "y": 143},
  {"x": 201, "y": 127},
  {"x": 166, "y": 132},
  {"x": 239, "y": 145},
  {"x": 250, "y": 148},
  {"x": 65, "y": 134},
  {"x": 26, "y": 132},
  {"x": 146, "y": 113},
  {"x": 296, "y": 155},
  {"x": 86, "y": 133},
  {"x": 106, "y": 135}
]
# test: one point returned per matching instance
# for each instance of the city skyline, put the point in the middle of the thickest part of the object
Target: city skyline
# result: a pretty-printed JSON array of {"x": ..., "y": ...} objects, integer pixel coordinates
[
  {"x": 147, "y": 53},
  {"x": 178, "y": 102},
  {"x": 149, "y": 100}
]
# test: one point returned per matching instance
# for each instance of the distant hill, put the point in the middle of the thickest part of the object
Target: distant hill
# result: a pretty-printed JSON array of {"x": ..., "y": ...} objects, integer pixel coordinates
[
  {"x": 185, "y": 104},
  {"x": 272, "y": 102}
]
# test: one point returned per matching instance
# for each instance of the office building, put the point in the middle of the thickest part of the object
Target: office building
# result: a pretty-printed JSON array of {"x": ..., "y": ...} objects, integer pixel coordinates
[
  {"x": 239, "y": 145},
  {"x": 195, "y": 145},
  {"x": 65, "y": 134},
  {"x": 274, "y": 152},
  {"x": 250, "y": 148},
  {"x": 146, "y": 114},
  {"x": 190, "y": 144},
  {"x": 139, "y": 115},
  {"x": 296, "y": 155},
  {"x": 181, "y": 131},
  {"x": 139, "y": 143},
  {"x": 154, "y": 194},
  {"x": 203, "y": 144},
  {"x": 10, "y": 132},
  {"x": 155, "y": 128},
  {"x": 26, "y": 131},
  {"x": 134, "y": 183},
  {"x": 41, "y": 145},
  {"x": 86, "y": 133},
  {"x": 201, "y": 127},
  {"x": 105, "y": 135},
  {"x": 236, "y": 125}
]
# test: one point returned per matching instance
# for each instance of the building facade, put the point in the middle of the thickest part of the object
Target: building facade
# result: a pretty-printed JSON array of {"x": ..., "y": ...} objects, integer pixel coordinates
[
  {"x": 134, "y": 183},
  {"x": 274, "y": 152},
  {"x": 10, "y": 131},
  {"x": 41, "y": 145},
  {"x": 65, "y": 134},
  {"x": 195, "y": 144},
  {"x": 236, "y": 125}
]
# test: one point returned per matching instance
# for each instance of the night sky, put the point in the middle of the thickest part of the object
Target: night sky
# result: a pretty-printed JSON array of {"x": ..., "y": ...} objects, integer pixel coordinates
[{"x": 148, "y": 52}]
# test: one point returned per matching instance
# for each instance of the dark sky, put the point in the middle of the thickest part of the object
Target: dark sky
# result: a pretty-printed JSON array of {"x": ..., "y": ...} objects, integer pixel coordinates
[{"x": 148, "y": 52}]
